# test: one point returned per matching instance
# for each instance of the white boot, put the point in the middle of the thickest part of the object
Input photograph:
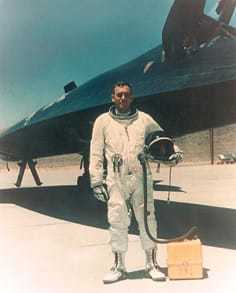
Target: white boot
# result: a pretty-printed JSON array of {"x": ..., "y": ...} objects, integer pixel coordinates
[
  {"x": 152, "y": 270},
  {"x": 118, "y": 271}
]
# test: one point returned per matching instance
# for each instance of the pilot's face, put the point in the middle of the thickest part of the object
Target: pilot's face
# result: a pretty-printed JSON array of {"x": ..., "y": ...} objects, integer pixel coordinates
[{"x": 122, "y": 98}]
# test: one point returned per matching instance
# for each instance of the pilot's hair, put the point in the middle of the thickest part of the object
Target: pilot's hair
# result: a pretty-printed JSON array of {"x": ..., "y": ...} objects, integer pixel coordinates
[{"x": 121, "y": 83}]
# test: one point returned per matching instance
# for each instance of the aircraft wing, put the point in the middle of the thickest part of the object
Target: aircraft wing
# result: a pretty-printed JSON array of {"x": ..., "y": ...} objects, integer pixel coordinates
[{"x": 193, "y": 94}]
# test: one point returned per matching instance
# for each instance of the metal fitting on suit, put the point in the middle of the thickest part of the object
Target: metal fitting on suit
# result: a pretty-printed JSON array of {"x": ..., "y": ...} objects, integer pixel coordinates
[{"x": 117, "y": 162}]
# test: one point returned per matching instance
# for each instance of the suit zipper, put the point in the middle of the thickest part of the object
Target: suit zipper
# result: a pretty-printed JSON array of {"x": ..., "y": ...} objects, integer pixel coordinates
[
  {"x": 127, "y": 154},
  {"x": 126, "y": 131}
]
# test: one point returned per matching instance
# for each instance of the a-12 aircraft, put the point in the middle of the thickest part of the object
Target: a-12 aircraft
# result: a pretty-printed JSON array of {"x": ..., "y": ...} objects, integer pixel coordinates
[{"x": 188, "y": 94}]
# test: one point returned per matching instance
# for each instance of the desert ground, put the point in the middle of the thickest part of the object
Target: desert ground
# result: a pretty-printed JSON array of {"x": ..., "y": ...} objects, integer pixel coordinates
[{"x": 54, "y": 237}]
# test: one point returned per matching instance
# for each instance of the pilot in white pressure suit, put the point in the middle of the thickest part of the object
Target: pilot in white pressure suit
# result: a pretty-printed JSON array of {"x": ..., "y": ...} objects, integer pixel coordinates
[{"x": 119, "y": 136}]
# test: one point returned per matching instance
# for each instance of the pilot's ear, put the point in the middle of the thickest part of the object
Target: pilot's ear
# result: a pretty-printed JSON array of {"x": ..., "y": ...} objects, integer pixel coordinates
[{"x": 112, "y": 97}]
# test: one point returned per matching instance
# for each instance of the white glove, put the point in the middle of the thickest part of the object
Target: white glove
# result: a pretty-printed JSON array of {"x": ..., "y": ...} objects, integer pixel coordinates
[
  {"x": 175, "y": 159},
  {"x": 100, "y": 192}
]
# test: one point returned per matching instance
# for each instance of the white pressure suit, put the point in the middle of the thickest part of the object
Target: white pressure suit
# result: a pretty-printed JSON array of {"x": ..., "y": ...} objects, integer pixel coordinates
[{"x": 119, "y": 140}]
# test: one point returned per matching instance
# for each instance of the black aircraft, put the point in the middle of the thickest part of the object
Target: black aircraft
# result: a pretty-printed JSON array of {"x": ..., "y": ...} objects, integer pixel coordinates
[{"x": 187, "y": 93}]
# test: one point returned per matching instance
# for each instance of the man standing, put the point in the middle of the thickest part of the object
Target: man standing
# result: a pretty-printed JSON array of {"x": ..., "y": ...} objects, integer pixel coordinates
[{"x": 118, "y": 137}]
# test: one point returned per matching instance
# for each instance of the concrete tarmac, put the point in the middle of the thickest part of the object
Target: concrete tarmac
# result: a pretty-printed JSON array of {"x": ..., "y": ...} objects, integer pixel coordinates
[{"x": 54, "y": 238}]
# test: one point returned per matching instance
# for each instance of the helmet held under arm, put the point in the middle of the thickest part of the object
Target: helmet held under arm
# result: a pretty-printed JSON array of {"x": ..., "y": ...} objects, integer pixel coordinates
[{"x": 160, "y": 148}]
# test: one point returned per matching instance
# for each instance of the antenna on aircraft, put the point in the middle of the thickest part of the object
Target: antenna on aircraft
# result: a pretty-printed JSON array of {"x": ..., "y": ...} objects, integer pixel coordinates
[{"x": 70, "y": 86}]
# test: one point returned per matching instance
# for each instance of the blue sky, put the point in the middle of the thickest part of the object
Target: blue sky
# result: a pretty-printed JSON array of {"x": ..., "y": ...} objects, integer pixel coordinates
[{"x": 45, "y": 44}]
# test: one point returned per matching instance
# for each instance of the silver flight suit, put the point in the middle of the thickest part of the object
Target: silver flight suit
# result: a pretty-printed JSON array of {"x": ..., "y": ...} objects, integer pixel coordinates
[{"x": 120, "y": 140}]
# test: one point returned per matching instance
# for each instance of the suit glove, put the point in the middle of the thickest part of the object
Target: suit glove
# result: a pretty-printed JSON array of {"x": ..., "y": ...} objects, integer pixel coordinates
[
  {"x": 101, "y": 193},
  {"x": 175, "y": 159}
]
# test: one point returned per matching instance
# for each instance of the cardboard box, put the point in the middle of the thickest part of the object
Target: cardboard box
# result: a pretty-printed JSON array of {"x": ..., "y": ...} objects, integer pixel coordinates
[{"x": 184, "y": 260}]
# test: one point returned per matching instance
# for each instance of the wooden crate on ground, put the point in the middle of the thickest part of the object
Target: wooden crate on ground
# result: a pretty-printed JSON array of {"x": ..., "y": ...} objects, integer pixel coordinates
[{"x": 184, "y": 260}]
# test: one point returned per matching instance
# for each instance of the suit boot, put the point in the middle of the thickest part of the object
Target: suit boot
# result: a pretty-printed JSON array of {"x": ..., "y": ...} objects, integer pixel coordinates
[
  {"x": 118, "y": 271},
  {"x": 152, "y": 270}
]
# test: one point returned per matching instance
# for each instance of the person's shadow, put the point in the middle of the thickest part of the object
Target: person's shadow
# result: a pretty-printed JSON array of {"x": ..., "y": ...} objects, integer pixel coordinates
[{"x": 141, "y": 274}]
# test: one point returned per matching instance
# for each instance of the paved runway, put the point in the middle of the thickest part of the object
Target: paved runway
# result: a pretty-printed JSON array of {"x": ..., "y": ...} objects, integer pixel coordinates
[{"x": 54, "y": 237}]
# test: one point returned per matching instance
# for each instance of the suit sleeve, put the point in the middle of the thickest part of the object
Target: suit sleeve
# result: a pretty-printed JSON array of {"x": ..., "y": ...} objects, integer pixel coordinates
[
  {"x": 152, "y": 126},
  {"x": 97, "y": 144}
]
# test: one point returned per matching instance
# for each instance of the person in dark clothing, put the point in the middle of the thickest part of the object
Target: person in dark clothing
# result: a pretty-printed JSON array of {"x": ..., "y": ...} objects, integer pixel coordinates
[
  {"x": 181, "y": 27},
  {"x": 225, "y": 9}
]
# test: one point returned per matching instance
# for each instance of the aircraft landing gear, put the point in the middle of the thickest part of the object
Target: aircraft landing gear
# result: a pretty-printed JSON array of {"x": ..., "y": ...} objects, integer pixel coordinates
[
  {"x": 84, "y": 180},
  {"x": 31, "y": 164}
]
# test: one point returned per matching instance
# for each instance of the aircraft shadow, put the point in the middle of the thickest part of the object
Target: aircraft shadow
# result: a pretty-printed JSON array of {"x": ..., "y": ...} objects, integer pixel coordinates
[{"x": 217, "y": 226}]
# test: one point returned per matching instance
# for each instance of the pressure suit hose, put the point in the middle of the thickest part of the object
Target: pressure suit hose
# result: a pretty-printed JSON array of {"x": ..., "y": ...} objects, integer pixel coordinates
[{"x": 190, "y": 234}]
